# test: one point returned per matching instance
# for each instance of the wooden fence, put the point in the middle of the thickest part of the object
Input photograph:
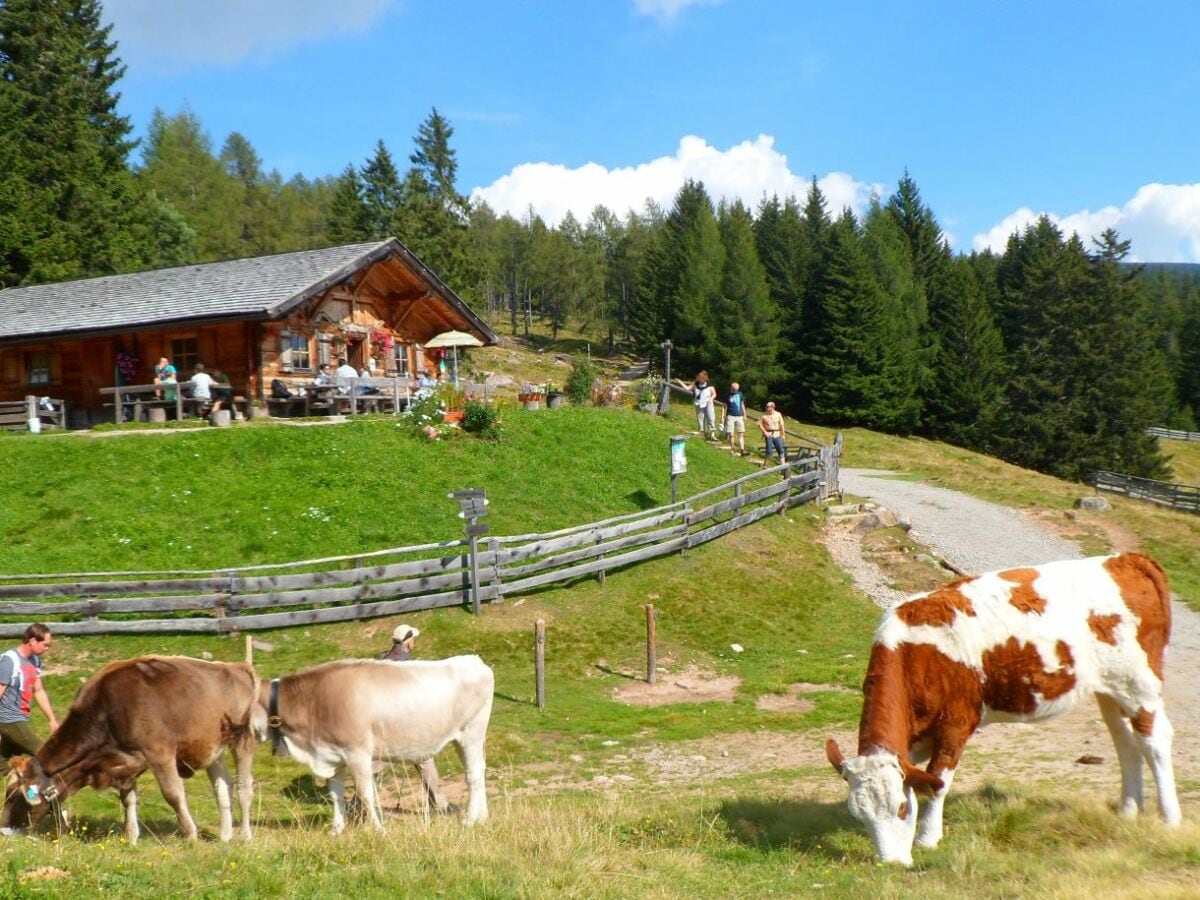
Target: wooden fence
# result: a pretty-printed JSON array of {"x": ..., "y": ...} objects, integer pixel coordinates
[
  {"x": 1174, "y": 435},
  {"x": 1176, "y": 496},
  {"x": 404, "y": 579}
]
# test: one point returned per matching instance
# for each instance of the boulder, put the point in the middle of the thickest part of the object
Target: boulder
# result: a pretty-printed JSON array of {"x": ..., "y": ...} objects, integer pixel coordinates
[{"x": 1095, "y": 504}]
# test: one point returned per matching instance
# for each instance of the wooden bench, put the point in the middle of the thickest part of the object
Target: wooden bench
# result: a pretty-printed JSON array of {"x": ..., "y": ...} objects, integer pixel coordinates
[{"x": 16, "y": 414}]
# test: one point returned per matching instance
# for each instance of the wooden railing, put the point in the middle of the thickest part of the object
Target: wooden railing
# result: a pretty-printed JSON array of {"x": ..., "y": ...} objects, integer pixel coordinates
[
  {"x": 1176, "y": 496},
  {"x": 403, "y": 579},
  {"x": 1174, "y": 435}
]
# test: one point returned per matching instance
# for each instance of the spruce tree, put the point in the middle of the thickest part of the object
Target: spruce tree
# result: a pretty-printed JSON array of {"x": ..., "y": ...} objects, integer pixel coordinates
[
  {"x": 748, "y": 330},
  {"x": 349, "y": 220},
  {"x": 69, "y": 207},
  {"x": 381, "y": 193}
]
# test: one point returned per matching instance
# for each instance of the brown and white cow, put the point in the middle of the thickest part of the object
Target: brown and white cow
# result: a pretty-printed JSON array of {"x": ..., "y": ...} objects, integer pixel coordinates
[
  {"x": 346, "y": 716},
  {"x": 169, "y": 714},
  {"x": 1017, "y": 645}
]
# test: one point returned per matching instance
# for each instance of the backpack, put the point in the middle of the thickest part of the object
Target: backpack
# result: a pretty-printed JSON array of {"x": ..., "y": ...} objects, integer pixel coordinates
[{"x": 279, "y": 390}]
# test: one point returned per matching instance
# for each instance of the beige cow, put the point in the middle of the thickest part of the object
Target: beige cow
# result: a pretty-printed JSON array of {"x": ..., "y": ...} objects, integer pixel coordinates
[{"x": 344, "y": 717}]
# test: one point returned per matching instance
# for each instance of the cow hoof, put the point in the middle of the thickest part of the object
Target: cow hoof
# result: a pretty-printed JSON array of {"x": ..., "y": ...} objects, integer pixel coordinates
[{"x": 928, "y": 843}]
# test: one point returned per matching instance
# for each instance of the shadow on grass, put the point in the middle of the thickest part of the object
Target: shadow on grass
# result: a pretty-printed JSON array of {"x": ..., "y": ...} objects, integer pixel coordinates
[
  {"x": 801, "y": 825},
  {"x": 304, "y": 788},
  {"x": 642, "y": 500},
  {"x": 512, "y": 698},
  {"x": 609, "y": 670}
]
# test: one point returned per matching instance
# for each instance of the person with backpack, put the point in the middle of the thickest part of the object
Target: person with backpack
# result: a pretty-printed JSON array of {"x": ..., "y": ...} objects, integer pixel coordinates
[{"x": 20, "y": 682}]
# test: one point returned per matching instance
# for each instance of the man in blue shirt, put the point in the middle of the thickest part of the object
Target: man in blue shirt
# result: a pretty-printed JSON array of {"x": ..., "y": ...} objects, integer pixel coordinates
[{"x": 735, "y": 419}]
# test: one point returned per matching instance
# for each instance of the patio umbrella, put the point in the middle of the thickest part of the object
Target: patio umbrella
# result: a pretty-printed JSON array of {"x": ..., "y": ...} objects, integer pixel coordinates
[{"x": 454, "y": 340}]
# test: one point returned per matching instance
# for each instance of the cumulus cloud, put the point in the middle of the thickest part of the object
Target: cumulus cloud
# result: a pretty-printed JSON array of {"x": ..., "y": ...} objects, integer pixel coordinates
[
  {"x": 666, "y": 11},
  {"x": 178, "y": 33},
  {"x": 1161, "y": 221},
  {"x": 747, "y": 171}
]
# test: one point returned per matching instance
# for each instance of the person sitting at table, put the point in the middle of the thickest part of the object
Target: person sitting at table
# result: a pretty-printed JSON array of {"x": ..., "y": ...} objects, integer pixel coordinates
[
  {"x": 426, "y": 379},
  {"x": 221, "y": 390},
  {"x": 202, "y": 384},
  {"x": 366, "y": 383},
  {"x": 324, "y": 375},
  {"x": 164, "y": 373},
  {"x": 345, "y": 376}
]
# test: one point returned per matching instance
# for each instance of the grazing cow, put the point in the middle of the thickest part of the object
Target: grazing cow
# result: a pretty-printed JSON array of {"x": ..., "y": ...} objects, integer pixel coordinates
[
  {"x": 1018, "y": 645},
  {"x": 169, "y": 714},
  {"x": 345, "y": 716}
]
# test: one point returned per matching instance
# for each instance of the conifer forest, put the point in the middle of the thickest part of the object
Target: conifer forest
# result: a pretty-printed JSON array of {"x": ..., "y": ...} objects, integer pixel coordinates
[{"x": 1055, "y": 354}]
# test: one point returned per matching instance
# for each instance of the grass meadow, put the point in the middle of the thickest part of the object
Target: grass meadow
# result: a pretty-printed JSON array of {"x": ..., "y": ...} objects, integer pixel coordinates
[{"x": 590, "y": 797}]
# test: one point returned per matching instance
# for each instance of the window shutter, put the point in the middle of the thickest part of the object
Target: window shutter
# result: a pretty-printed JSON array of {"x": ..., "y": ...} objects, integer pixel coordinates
[{"x": 285, "y": 351}]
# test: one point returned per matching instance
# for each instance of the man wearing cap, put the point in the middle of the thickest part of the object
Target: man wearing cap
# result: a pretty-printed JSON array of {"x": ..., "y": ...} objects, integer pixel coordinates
[{"x": 402, "y": 643}]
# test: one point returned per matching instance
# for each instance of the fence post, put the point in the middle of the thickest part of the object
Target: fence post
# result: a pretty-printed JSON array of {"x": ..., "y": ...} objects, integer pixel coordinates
[
  {"x": 539, "y": 661},
  {"x": 651, "y": 642},
  {"x": 601, "y": 573},
  {"x": 787, "y": 491},
  {"x": 494, "y": 550},
  {"x": 473, "y": 504}
]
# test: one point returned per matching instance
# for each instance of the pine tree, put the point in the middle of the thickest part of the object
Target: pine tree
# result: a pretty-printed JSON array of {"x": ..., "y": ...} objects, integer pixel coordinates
[
  {"x": 969, "y": 369},
  {"x": 381, "y": 193},
  {"x": 748, "y": 330},
  {"x": 803, "y": 327},
  {"x": 432, "y": 217},
  {"x": 69, "y": 206},
  {"x": 349, "y": 220}
]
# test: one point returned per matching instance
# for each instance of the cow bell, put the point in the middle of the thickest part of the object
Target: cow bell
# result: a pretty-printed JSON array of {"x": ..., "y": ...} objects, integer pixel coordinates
[{"x": 32, "y": 794}]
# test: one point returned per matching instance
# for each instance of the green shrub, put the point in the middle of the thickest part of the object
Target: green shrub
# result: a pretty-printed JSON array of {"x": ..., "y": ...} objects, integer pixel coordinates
[
  {"x": 482, "y": 420},
  {"x": 579, "y": 382}
]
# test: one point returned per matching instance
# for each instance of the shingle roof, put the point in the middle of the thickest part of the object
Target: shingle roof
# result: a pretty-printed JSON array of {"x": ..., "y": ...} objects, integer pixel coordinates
[{"x": 259, "y": 286}]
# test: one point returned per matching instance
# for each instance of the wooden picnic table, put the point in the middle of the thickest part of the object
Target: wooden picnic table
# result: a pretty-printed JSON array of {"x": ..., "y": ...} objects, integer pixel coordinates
[{"x": 149, "y": 396}]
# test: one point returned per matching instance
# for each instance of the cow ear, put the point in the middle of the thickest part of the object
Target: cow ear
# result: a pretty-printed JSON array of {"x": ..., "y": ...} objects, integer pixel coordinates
[
  {"x": 834, "y": 754},
  {"x": 921, "y": 781}
]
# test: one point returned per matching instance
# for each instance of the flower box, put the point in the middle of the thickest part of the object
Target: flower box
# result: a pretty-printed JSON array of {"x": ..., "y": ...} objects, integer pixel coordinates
[{"x": 453, "y": 415}]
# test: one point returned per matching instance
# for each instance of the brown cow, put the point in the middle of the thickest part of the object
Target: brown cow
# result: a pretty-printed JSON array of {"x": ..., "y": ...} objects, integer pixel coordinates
[
  {"x": 169, "y": 714},
  {"x": 1019, "y": 645}
]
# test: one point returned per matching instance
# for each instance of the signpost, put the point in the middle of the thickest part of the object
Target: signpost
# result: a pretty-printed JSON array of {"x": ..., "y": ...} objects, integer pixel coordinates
[
  {"x": 678, "y": 462},
  {"x": 664, "y": 404},
  {"x": 472, "y": 504}
]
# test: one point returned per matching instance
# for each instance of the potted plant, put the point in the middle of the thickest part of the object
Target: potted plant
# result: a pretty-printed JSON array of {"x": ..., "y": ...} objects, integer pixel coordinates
[
  {"x": 554, "y": 397},
  {"x": 454, "y": 404},
  {"x": 647, "y": 395},
  {"x": 531, "y": 396}
]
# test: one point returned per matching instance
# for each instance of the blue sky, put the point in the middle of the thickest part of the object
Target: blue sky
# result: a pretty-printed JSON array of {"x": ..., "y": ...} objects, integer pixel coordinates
[{"x": 1000, "y": 111}]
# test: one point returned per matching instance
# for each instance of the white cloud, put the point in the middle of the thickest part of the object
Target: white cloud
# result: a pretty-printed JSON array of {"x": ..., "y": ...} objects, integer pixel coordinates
[
  {"x": 179, "y": 33},
  {"x": 665, "y": 11},
  {"x": 747, "y": 171},
  {"x": 1162, "y": 222}
]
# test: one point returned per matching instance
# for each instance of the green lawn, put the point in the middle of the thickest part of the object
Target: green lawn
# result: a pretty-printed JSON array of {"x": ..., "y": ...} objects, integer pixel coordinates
[{"x": 213, "y": 498}]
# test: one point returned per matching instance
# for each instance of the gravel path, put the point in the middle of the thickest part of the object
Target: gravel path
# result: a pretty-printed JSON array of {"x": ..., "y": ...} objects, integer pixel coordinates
[
  {"x": 978, "y": 537},
  {"x": 974, "y": 535}
]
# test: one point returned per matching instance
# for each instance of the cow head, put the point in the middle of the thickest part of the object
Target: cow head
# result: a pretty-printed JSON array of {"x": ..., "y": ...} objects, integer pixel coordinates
[
  {"x": 883, "y": 796},
  {"x": 34, "y": 784}
]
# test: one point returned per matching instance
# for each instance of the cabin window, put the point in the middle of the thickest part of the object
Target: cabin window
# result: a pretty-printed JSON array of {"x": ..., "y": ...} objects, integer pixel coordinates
[
  {"x": 41, "y": 367},
  {"x": 185, "y": 353},
  {"x": 301, "y": 357},
  {"x": 324, "y": 349},
  {"x": 402, "y": 359},
  {"x": 294, "y": 352}
]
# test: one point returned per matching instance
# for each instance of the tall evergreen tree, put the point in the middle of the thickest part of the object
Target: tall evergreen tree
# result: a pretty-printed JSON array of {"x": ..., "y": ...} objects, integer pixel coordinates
[
  {"x": 803, "y": 327},
  {"x": 433, "y": 216},
  {"x": 381, "y": 193},
  {"x": 349, "y": 220},
  {"x": 969, "y": 369},
  {"x": 748, "y": 331},
  {"x": 69, "y": 205}
]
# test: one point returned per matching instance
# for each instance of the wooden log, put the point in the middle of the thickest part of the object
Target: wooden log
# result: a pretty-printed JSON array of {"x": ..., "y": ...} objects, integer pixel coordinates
[
  {"x": 613, "y": 562},
  {"x": 651, "y": 643},
  {"x": 563, "y": 559},
  {"x": 539, "y": 661}
]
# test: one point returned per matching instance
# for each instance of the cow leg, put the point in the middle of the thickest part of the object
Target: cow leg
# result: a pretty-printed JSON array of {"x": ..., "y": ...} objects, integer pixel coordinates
[
  {"x": 1127, "y": 754},
  {"x": 1156, "y": 748},
  {"x": 129, "y": 801},
  {"x": 433, "y": 785},
  {"x": 171, "y": 786},
  {"x": 337, "y": 794},
  {"x": 243, "y": 758},
  {"x": 361, "y": 770},
  {"x": 222, "y": 788},
  {"x": 929, "y": 813},
  {"x": 470, "y": 751}
]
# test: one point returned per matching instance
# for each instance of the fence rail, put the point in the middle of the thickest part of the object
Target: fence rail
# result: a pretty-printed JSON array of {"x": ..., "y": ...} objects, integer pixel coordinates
[
  {"x": 1176, "y": 496},
  {"x": 403, "y": 579},
  {"x": 1173, "y": 434}
]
